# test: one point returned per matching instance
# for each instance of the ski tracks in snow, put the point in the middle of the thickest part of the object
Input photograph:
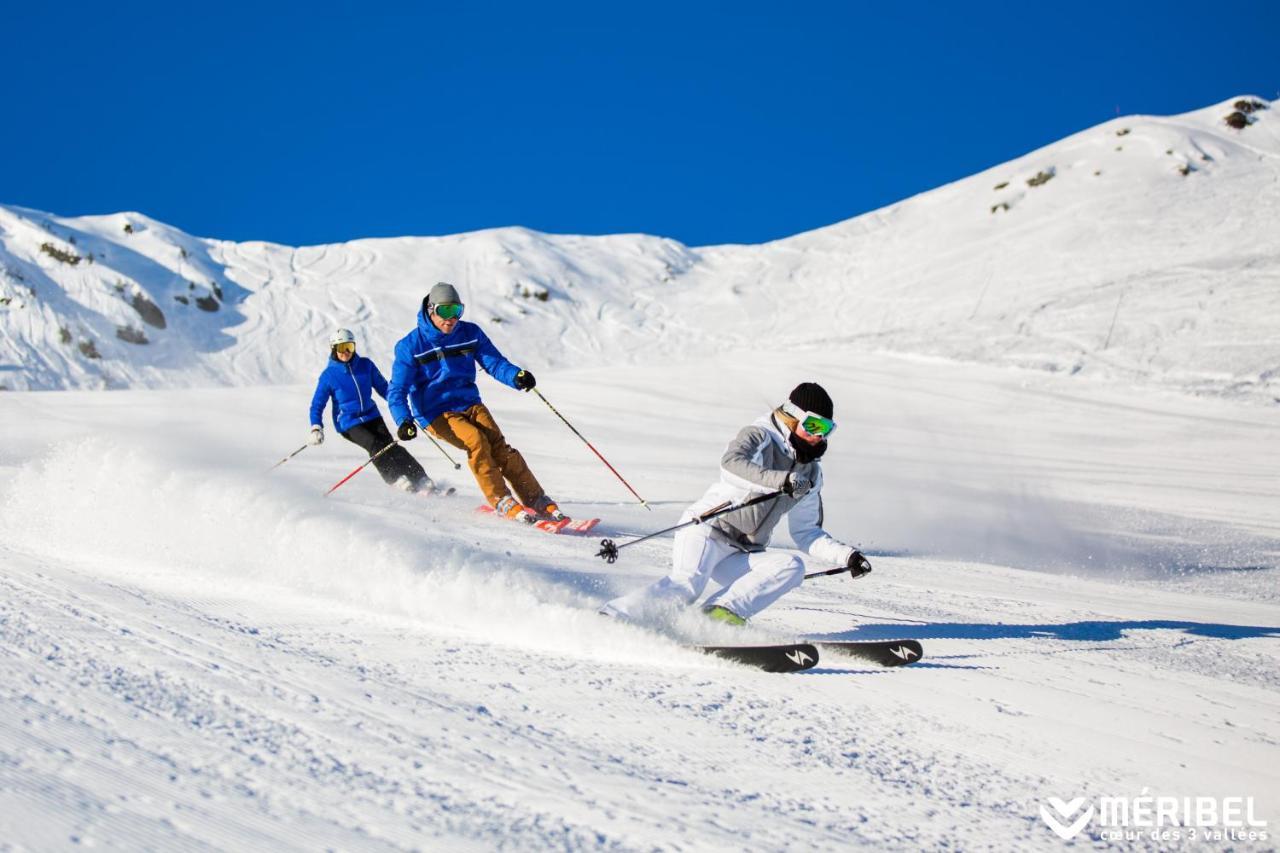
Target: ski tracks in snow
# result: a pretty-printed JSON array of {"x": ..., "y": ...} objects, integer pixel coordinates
[{"x": 336, "y": 726}]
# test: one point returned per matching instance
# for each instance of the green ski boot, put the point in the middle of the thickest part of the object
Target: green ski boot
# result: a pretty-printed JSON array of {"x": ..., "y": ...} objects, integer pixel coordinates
[{"x": 723, "y": 614}]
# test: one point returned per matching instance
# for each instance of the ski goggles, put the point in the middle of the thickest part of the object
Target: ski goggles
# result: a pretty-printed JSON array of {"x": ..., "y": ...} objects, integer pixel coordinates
[
  {"x": 809, "y": 422},
  {"x": 345, "y": 348},
  {"x": 447, "y": 310}
]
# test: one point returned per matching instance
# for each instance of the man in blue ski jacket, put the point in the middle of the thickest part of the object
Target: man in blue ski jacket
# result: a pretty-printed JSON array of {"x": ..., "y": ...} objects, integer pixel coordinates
[
  {"x": 435, "y": 371},
  {"x": 350, "y": 381}
]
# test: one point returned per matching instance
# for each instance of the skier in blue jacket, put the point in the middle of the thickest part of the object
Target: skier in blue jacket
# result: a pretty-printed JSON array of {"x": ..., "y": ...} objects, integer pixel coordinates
[
  {"x": 435, "y": 373},
  {"x": 350, "y": 380}
]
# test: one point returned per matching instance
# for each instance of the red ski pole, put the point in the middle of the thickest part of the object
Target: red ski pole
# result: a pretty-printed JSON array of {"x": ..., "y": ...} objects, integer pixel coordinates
[
  {"x": 361, "y": 468},
  {"x": 593, "y": 450}
]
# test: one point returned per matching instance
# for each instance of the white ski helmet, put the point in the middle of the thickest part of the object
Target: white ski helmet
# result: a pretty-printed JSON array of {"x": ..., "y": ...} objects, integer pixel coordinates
[{"x": 341, "y": 336}]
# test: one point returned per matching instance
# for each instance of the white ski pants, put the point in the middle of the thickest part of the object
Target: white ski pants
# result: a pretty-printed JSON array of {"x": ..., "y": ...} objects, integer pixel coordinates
[{"x": 748, "y": 582}]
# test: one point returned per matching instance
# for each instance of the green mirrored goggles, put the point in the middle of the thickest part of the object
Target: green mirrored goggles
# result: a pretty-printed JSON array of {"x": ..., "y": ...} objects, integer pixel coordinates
[
  {"x": 447, "y": 310},
  {"x": 817, "y": 425},
  {"x": 809, "y": 422}
]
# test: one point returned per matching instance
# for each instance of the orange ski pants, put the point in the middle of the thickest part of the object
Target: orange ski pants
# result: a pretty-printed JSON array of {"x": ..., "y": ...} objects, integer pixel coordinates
[{"x": 494, "y": 463}]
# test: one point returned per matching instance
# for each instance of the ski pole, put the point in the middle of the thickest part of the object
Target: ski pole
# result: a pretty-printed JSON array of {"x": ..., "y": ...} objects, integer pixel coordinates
[
  {"x": 287, "y": 458},
  {"x": 593, "y": 450},
  {"x": 361, "y": 468},
  {"x": 864, "y": 568},
  {"x": 838, "y": 571},
  {"x": 609, "y": 551},
  {"x": 455, "y": 465}
]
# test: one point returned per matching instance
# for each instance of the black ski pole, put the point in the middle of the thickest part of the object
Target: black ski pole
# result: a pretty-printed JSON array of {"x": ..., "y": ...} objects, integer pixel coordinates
[
  {"x": 838, "y": 571},
  {"x": 287, "y": 458},
  {"x": 456, "y": 465},
  {"x": 609, "y": 551},
  {"x": 863, "y": 567}
]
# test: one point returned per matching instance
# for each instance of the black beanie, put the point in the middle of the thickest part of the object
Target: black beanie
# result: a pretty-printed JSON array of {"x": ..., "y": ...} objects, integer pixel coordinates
[{"x": 811, "y": 397}]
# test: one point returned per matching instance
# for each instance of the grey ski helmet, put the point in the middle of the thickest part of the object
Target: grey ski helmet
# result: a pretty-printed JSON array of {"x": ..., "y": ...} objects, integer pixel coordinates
[
  {"x": 442, "y": 294},
  {"x": 341, "y": 336}
]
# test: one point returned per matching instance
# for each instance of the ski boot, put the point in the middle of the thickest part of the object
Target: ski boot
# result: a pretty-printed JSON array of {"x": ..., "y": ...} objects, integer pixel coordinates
[
  {"x": 546, "y": 509},
  {"x": 513, "y": 510},
  {"x": 723, "y": 614}
]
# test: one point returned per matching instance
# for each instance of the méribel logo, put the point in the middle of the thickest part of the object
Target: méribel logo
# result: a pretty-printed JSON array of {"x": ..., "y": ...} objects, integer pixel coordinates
[{"x": 1059, "y": 816}]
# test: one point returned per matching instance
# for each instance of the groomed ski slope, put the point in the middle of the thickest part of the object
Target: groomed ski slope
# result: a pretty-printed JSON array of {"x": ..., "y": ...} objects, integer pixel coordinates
[{"x": 197, "y": 655}]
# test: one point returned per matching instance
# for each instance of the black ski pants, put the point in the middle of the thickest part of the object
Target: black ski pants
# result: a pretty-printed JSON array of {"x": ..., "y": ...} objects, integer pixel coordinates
[{"x": 373, "y": 436}]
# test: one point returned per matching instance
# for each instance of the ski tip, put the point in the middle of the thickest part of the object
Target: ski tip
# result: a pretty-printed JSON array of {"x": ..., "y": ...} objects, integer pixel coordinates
[{"x": 882, "y": 652}]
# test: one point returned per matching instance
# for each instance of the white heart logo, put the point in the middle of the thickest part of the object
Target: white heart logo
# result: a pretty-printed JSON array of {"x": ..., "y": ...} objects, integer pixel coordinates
[{"x": 1065, "y": 811}]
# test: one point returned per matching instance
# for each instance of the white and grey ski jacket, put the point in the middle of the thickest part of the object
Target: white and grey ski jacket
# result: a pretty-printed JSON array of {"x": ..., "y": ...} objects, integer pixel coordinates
[{"x": 757, "y": 461}]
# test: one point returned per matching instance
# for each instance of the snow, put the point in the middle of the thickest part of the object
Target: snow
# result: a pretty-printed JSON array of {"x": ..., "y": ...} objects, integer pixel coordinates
[
  {"x": 1183, "y": 265},
  {"x": 197, "y": 653}
]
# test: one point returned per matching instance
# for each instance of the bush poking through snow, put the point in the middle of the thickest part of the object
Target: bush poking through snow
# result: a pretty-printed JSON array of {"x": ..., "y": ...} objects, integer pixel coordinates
[
  {"x": 184, "y": 300},
  {"x": 1042, "y": 177},
  {"x": 1002, "y": 185},
  {"x": 147, "y": 310},
  {"x": 1238, "y": 120},
  {"x": 1124, "y": 131},
  {"x": 64, "y": 334},
  {"x": 128, "y": 228},
  {"x": 206, "y": 303},
  {"x": 1004, "y": 205},
  {"x": 59, "y": 254},
  {"x": 89, "y": 349},
  {"x": 1249, "y": 105},
  {"x": 130, "y": 335}
]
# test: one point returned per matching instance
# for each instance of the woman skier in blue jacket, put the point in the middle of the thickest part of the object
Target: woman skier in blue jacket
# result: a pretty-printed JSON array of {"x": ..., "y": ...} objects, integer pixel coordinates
[{"x": 350, "y": 380}]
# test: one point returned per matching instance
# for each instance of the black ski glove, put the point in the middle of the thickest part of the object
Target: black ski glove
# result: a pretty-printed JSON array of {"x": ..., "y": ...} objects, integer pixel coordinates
[
  {"x": 797, "y": 485},
  {"x": 525, "y": 380},
  {"x": 858, "y": 564},
  {"x": 408, "y": 430}
]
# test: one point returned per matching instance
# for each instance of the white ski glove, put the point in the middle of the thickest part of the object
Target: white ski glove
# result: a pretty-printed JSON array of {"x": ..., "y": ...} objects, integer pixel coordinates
[
  {"x": 317, "y": 435},
  {"x": 797, "y": 485}
]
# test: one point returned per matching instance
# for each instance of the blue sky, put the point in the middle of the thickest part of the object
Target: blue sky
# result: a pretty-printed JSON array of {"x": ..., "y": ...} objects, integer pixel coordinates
[{"x": 706, "y": 122}]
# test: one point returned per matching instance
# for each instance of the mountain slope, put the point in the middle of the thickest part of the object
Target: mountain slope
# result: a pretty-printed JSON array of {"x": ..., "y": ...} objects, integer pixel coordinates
[{"x": 1142, "y": 248}]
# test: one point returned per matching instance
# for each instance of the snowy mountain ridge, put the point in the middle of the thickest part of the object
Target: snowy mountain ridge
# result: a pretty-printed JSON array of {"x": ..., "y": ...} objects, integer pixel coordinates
[{"x": 1143, "y": 248}]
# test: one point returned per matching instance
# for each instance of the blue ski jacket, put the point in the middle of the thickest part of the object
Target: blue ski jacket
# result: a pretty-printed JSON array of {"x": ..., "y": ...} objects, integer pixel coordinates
[
  {"x": 436, "y": 373},
  {"x": 351, "y": 386}
]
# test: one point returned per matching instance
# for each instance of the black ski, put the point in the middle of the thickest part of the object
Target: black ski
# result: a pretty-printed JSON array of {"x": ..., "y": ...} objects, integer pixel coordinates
[
  {"x": 792, "y": 657},
  {"x": 883, "y": 652}
]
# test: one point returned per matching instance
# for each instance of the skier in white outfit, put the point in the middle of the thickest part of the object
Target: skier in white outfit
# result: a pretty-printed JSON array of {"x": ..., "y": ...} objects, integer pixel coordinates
[{"x": 779, "y": 451}]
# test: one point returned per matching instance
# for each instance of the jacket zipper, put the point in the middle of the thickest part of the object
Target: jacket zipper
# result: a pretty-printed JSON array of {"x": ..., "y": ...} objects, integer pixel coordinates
[
  {"x": 773, "y": 505},
  {"x": 359, "y": 396}
]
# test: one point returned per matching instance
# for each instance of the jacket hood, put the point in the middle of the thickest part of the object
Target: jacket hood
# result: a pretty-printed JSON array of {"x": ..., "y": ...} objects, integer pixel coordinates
[{"x": 770, "y": 424}]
